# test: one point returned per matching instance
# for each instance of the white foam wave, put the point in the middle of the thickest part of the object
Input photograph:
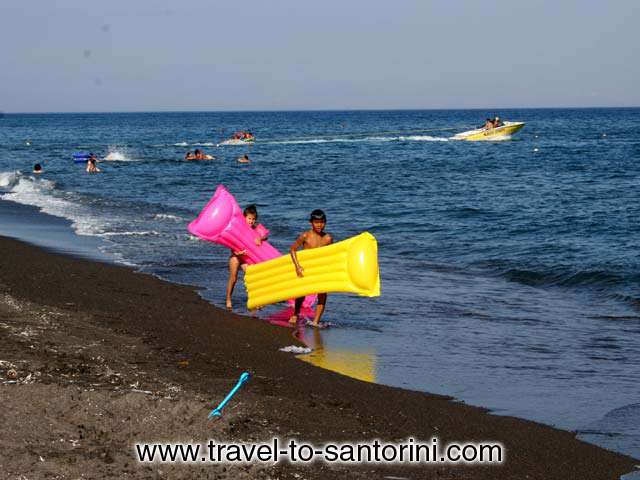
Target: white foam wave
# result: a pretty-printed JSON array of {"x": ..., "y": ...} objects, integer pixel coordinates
[
  {"x": 119, "y": 258},
  {"x": 180, "y": 144},
  {"x": 166, "y": 216},
  {"x": 423, "y": 138},
  {"x": 498, "y": 138},
  {"x": 40, "y": 193},
  {"x": 146, "y": 233},
  {"x": 9, "y": 179},
  {"x": 116, "y": 156}
]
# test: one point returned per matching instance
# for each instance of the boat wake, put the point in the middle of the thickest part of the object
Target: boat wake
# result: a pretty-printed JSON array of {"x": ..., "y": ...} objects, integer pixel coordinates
[{"x": 375, "y": 139}]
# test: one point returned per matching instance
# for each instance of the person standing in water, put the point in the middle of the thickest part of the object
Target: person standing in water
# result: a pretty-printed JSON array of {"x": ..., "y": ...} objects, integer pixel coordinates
[
  {"x": 314, "y": 238},
  {"x": 236, "y": 260}
]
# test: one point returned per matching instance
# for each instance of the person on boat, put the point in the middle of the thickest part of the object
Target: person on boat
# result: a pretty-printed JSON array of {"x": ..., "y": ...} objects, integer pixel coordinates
[
  {"x": 497, "y": 122},
  {"x": 488, "y": 124}
]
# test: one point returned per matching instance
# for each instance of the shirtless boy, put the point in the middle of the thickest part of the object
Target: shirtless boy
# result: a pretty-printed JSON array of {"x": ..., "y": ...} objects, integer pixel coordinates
[{"x": 313, "y": 238}]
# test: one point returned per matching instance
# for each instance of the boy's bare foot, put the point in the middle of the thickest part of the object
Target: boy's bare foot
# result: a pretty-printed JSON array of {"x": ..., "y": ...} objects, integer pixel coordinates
[
  {"x": 293, "y": 320},
  {"x": 317, "y": 324}
]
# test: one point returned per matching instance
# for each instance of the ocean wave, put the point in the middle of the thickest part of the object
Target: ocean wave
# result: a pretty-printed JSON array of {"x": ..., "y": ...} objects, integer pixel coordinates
[
  {"x": 41, "y": 193},
  {"x": 564, "y": 278},
  {"x": 166, "y": 216},
  {"x": 185, "y": 144},
  {"x": 144, "y": 233},
  {"x": 117, "y": 156},
  {"x": 9, "y": 179},
  {"x": 423, "y": 138}
]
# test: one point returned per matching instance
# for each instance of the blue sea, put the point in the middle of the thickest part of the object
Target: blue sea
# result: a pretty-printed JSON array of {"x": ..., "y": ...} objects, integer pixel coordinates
[{"x": 510, "y": 270}]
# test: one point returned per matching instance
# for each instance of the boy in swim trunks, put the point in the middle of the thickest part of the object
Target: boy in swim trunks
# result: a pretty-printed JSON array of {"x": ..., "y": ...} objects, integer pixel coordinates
[
  {"x": 313, "y": 238},
  {"x": 235, "y": 260}
]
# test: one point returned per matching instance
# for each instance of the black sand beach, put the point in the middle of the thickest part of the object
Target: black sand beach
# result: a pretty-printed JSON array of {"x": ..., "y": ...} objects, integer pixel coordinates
[{"x": 106, "y": 357}]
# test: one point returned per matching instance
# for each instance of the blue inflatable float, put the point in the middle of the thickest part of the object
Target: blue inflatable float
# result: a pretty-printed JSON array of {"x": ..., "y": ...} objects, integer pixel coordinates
[{"x": 81, "y": 157}]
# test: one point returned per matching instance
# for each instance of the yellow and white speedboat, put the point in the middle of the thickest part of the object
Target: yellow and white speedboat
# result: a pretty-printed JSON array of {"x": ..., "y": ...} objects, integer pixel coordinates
[{"x": 503, "y": 132}]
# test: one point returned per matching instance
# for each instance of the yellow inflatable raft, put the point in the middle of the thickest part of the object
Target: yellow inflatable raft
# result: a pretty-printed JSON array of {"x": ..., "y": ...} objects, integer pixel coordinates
[{"x": 348, "y": 266}]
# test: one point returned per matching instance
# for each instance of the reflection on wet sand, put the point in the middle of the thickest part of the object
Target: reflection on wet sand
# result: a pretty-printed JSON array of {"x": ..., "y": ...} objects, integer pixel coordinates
[
  {"x": 360, "y": 364},
  {"x": 356, "y": 363}
]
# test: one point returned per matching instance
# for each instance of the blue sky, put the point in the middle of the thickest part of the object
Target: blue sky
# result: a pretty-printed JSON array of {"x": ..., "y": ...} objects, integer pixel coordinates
[{"x": 282, "y": 54}]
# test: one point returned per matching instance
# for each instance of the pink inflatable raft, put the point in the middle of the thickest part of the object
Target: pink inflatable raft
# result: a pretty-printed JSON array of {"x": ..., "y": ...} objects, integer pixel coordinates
[{"x": 221, "y": 221}]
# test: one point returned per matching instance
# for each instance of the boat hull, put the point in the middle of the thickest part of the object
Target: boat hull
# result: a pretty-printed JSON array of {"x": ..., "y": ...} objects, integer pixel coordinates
[
  {"x": 500, "y": 133},
  {"x": 235, "y": 141}
]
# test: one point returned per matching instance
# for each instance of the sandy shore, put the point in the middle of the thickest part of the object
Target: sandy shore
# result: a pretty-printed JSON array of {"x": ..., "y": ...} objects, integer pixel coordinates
[{"x": 106, "y": 357}]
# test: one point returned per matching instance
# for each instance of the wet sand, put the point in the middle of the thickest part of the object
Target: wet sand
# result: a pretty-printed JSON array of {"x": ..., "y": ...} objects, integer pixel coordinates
[{"x": 106, "y": 357}]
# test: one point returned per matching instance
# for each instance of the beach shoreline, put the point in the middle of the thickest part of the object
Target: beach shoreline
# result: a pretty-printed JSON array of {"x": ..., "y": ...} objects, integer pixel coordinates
[{"x": 91, "y": 327}]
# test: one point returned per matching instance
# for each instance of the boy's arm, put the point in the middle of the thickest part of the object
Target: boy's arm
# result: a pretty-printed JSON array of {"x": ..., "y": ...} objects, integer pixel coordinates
[
  {"x": 264, "y": 238},
  {"x": 296, "y": 245},
  {"x": 329, "y": 239}
]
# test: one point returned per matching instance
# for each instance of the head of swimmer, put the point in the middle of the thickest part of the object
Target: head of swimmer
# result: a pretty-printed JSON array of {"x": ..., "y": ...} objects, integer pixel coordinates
[
  {"x": 250, "y": 215},
  {"x": 318, "y": 221}
]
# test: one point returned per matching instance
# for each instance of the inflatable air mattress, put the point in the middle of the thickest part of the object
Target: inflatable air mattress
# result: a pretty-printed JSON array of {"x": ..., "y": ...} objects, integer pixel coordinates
[
  {"x": 81, "y": 157},
  {"x": 221, "y": 221},
  {"x": 348, "y": 266}
]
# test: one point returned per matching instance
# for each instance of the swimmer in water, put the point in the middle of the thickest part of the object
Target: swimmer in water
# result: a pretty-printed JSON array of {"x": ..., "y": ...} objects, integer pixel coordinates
[
  {"x": 200, "y": 155},
  {"x": 37, "y": 168},
  {"x": 244, "y": 159},
  {"x": 91, "y": 164}
]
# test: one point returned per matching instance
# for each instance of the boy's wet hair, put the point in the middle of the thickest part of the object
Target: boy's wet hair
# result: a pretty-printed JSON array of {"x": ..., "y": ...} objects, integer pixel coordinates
[
  {"x": 251, "y": 210},
  {"x": 317, "y": 214}
]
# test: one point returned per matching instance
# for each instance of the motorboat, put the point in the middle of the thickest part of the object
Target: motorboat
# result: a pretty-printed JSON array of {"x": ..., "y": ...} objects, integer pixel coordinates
[
  {"x": 503, "y": 132},
  {"x": 239, "y": 138}
]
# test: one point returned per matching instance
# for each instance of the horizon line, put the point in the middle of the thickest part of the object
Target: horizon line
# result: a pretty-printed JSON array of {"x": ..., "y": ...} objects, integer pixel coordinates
[{"x": 301, "y": 110}]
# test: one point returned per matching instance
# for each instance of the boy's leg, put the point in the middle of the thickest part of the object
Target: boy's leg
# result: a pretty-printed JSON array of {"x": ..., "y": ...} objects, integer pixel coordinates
[
  {"x": 296, "y": 310},
  {"x": 234, "y": 265},
  {"x": 322, "y": 301}
]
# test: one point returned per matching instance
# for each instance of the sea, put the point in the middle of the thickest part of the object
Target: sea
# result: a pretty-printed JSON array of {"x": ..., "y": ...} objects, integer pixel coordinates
[{"x": 510, "y": 270}]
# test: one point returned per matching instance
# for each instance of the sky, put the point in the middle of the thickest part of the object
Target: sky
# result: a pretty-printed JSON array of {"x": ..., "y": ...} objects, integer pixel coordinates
[{"x": 208, "y": 55}]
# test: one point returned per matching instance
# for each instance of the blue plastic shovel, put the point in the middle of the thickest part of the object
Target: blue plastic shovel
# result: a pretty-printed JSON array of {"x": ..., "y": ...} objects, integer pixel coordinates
[{"x": 217, "y": 412}]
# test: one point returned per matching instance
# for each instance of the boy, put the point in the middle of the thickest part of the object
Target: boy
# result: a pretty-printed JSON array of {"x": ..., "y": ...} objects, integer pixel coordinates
[
  {"x": 314, "y": 238},
  {"x": 91, "y": 164},
  {"x": 235, "y": 260}
]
